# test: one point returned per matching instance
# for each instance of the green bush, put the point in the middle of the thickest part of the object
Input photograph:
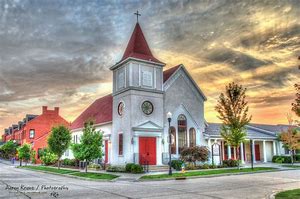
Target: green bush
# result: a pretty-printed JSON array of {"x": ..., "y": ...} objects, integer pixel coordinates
[
  {"x": 205, "y": 166},
  {"x": 94, "y": 166},
  {"x": 128, "y": 167},
  {"x": 115, "y": 169},
  {"x": 177, "y": 164},
  {"x": 230, "y": 163},
  {"x": 48, "y": 158},
  {"x": 297, "y": 157},
  {"x": 136, "y": 168},
  {"x": 284, "y": 159},
  {"x": 69, "y": 162}
]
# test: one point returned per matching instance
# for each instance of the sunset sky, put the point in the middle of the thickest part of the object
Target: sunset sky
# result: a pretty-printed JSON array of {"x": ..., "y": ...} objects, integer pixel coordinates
[{"x": 58, "y": 53}]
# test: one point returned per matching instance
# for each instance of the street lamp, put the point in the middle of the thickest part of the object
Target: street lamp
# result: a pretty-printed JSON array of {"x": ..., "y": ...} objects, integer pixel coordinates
[{"x": 169, "y": 117}]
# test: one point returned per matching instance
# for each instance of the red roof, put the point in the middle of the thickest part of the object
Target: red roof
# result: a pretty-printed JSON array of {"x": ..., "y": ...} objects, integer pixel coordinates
[
  {"x": 167, "y": 73},
  {"x": 137, "y": 46},
  {"x": 101, "y": 110}
]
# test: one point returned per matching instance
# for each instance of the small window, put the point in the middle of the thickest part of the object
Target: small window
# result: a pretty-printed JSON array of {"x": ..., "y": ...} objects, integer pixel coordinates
[
  {"x": 67, "y": 152},
  {"x": 31, "y": 133},
  {"x": 147, "y": 78},
  {"x": 120, "y": 144},
  {"x": 121, "y": 79}
]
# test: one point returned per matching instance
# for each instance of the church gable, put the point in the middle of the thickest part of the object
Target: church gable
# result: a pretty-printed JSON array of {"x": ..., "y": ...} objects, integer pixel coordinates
[{"x": 171, "y": 75}]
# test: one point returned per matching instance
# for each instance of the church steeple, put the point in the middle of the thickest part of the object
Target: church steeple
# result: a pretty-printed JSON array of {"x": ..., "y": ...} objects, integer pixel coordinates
[{"x": 137, "y": 46}]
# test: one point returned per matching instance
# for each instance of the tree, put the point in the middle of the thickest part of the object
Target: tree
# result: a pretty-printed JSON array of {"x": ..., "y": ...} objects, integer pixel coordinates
[
  {"x": 291, "y": 140},
  {"x": 59, "y": 141},
  {"x": 195, "y": 153},
  {"x": 296, "y": 104},
  {"x": 9, "y": 149},
  {"x": 90, "y": 146},
  {"x": 233, "y": 112},
  {"x": 24, "y": 153}
]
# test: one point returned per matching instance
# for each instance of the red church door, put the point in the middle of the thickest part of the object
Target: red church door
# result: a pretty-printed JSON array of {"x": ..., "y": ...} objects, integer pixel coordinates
[
  {"x": 106, "y": 151},
  {"x": 257, "y": 152},
  {"x": 147, "y": 150}
]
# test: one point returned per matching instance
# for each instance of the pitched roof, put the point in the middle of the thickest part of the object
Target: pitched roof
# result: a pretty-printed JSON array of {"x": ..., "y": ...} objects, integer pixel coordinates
[
  {"x": 100, "y": 111},
  {"x": 168, "y": 73},
  {"x": 137, "y": 46},
  {"x": 214, "y": 129}
]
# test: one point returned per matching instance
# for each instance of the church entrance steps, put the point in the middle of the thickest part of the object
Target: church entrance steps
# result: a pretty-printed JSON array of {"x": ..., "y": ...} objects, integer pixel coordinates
[{"x": 153, "y": 168}]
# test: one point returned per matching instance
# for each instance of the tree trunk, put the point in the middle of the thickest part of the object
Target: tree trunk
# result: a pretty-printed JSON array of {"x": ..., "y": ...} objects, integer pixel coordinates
[
  {"x": 58, "y": 163},
  {"x": 20, "y": 162},
  {"x": 86, "y": 166},
  {"x": 292, "y": 156}
]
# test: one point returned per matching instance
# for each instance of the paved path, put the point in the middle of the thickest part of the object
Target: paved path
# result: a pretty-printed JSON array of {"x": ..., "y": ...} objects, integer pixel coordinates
[{"x": 242, "y": 186}]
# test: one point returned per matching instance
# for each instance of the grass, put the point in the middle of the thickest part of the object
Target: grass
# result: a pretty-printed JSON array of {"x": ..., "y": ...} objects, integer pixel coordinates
[
  {"x": 88, "y": 175},
  {"x": 206, "y": 173},
  {"x": 49, "y": 169},
  {"x": 102, "y": 176},
  {"x": 291, "y": 166},
  {"x": 291, "y": 194}
]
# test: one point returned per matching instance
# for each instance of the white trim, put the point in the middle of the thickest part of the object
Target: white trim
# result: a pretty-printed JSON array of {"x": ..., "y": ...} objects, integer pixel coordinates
[{"x": 188, "y": 79}]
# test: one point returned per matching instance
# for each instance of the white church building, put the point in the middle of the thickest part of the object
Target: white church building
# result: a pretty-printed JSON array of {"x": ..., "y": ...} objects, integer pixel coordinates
[{"x": 133, "y": 118}]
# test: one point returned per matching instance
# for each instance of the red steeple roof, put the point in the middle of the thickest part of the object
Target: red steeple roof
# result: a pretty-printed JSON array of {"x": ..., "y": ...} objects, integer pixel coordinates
[{"x": 138, "y": 47}]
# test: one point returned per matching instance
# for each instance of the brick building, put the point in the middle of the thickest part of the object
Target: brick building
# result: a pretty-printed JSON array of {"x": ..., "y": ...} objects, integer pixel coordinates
[{"x": 34, "y": 129}]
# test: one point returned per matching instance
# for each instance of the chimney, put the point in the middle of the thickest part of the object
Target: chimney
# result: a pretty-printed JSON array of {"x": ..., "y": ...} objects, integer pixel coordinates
[
  {"x": 45, "y": 108},
  {"x": 56, "y": 110}
]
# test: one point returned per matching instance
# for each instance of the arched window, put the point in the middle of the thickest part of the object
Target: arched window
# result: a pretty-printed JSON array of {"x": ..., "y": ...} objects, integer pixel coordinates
[
  {"x": 192, "y": 136},
  {"x": 173, "y": 137},
  {"x": 182, "y": 134}
]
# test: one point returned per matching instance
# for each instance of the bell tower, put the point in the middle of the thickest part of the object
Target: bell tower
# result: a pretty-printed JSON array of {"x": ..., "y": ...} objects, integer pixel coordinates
[{"x": 137, "y": 98}]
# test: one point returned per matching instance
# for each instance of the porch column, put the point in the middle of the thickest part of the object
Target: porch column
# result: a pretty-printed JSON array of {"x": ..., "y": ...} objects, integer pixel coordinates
[
  {"x": 265, "y": 151},
  {"x": 209, "y": 147},
  {"x": 253, "y": 151},
  {"x": 223, "y": 149},
  {"x": 234, "y": 153},
  {"x": 274, "y": 148},
  {"x": 242, "y": 153},
  {"x": 229, "y": 151}
]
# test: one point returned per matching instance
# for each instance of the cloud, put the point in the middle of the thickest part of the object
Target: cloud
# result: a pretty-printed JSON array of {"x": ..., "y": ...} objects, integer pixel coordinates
[{"x": 238, "y": 60}]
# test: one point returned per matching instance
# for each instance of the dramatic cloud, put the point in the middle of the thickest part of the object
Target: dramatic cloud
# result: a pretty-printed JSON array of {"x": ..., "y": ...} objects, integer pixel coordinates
[{"x": 58, "y": 52}]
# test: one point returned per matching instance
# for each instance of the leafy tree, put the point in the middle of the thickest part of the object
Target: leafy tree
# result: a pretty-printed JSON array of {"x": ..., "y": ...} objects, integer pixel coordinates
[
  {"x": 296, "y": 104},
  {"x": 24, "y": 153},
  {"x": 195, "y": 153},
  {"x": 90, "y": 146},
  {"x": 9, "y": 149},
  {"x": 59, "y": 141},
  {"x": 47, "y": 157},
  {"x": 291, "y": 140},
  {"x": 32, "y": 156},
  {"x": 233, "y": 112}
]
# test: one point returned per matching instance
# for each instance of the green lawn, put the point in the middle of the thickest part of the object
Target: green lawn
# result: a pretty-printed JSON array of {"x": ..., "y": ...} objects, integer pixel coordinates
[
  {"x": 72, "y": 172},
  {"x": 291, "y": 194},
  {"x": 291, "y": 166},
  {"x": 102, "y": 176},
  {"x": 206, "y": 172},
  {"x": 49, "y": 169}
]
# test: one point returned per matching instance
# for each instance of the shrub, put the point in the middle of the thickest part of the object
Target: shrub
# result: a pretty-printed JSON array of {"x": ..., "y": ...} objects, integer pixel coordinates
[
  {"x": 48, "y": 158},
  {"x": 205, "y": 166},
  {"x": 32, "y": 155},
  {"x": 94, "y": 166},
  {"x": 177, "y": 164},
  {"x": 115, "y": 169},
  {"x": 190, "y": 167},
  {"x": 281, "y": 159},
  {"x": 297, "y": 157},
  {"x": 128, "y": 167},
  {"x": 69, "y": 162},
  {"x": 193, "y": 154},
  {"x": 136, "y": 168},
  {"x": 230, "y": 163}
]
